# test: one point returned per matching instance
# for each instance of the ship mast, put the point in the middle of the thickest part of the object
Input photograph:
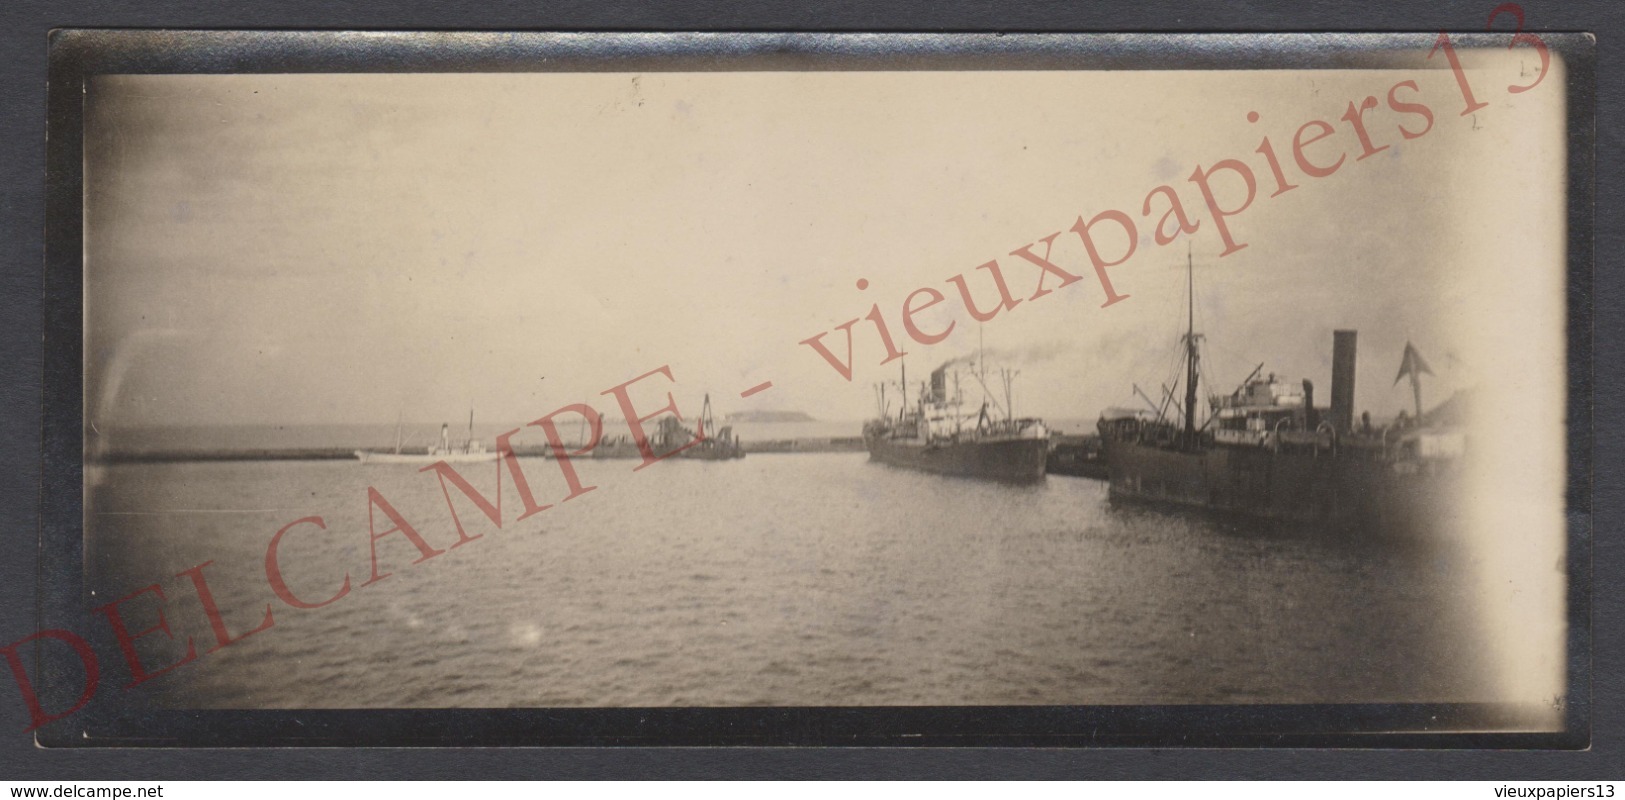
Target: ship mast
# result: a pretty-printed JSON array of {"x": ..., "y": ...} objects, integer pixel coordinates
[
  {"x": 1191, "y": 355},
  {"x": 1009, "y": 399},
  {"x": 902, "y": 406}
]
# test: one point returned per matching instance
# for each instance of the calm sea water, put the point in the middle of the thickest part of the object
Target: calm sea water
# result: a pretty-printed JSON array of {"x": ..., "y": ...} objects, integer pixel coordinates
[{"x": 801, "y": 579}]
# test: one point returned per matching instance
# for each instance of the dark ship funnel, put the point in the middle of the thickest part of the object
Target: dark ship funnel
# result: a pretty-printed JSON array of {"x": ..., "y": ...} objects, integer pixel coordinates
[
  {"x": 1343, "y": 380},
  {"x": 1311, "y": 415}
]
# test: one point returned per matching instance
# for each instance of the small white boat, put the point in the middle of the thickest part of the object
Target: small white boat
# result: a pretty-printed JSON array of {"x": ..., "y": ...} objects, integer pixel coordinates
[
  {"x": 434, "y": 455},
  {"x": 469, "y": 451}
]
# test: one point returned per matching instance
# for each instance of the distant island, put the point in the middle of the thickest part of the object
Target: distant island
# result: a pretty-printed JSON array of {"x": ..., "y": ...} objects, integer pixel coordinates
[{"x": 770, "y": 416}]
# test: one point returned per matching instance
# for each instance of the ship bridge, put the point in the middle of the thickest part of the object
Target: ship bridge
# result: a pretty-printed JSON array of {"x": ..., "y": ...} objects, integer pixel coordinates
[{"x": 1261, "y": 409}]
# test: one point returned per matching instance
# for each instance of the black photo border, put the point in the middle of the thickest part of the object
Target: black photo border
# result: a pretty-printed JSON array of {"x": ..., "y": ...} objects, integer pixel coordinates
[{"x": 761, "y": 742}]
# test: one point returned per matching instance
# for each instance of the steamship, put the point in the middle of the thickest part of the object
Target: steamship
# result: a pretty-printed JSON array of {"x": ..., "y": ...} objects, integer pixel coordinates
[
  {"x": 1267, "y": 452},
  {"x": 469, "y": 450},
  {"x": 935, "y": 434}
]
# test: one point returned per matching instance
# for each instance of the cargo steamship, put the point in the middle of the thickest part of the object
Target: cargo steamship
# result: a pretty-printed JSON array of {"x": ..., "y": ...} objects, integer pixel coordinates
[
  {"x": 1267, "y": 452},
  {"x": 936, "y": 435}
]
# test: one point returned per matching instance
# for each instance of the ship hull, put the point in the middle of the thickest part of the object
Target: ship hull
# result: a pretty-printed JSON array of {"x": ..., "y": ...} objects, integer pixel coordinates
[
  {"x": 1341, "y": 491},
  {"x": 1015, "y": 460},
  {"x": 1078, "y": 456},
  {"x": 708, "y": 450},
  {"x": 726, "y": 452},
  {"x": 423, "y": 458}
]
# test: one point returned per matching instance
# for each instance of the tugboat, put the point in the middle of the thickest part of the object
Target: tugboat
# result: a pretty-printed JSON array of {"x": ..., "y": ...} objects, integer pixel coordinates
[
  {"x": 936, "y": 435},
  {"x": 1266, "y": 452},
  {"x": 1079, "y": 456}
]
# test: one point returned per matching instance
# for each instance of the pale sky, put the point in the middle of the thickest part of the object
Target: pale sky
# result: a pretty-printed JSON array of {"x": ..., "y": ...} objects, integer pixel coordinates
[{"x": 357, "y": 248}]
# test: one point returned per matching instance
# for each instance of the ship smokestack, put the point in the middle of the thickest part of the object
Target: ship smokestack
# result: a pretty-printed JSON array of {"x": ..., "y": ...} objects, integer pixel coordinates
[
  {"x": 939, "y": 384},
  {"x": 1343, "y": 350},
  {"x": 1311, "y": 415}
]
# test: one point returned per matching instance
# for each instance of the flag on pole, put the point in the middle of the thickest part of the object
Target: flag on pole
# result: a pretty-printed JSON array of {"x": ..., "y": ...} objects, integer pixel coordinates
[{"x": 1412, "y": 365}]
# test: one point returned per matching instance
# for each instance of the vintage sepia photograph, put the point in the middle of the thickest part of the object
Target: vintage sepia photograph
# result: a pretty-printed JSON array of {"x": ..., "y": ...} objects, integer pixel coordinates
[{"x": 771, "y": 383}]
